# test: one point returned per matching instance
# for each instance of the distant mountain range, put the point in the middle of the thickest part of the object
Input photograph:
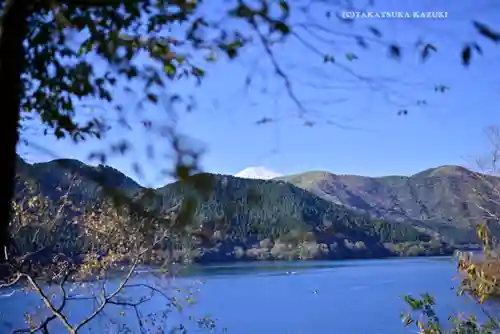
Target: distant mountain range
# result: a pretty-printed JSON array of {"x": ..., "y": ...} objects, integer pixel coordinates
[
  {"x": 308, "y": 215},
  {"x": 445, "y": 199}
]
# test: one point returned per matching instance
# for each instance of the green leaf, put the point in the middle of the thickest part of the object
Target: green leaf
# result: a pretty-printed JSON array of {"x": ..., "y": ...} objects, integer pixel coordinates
[
  {"x": 415, "y": 304},
  {"x": 86, "y": 47},
  {"x": 328, "y": 59},
  {"x": 487, "y": 32},
  {"x": 361, "y": 42},
  {"x": 169, "y": 68},
  {"x": 198, "y": 72},
  {"x": 232, "y": 53},
  {"x": 282, "y": 27},
  {"x": 427, "y": 299},
  {"x": 153, "y": 98},
  {"x": 242, "y": 11},
  {"x": 478, "y": 48},
  {"x": 182, "y": 172},
  {"x": 375, "y": 31},
  {"x": 264, "y": 120},
  {"x": 441, "y": 88},
  {"x": 284, "y": 6},
  {"x": 351, "y": 56},
  {"x": 180, "y": 59},
  {"x": 408, "y": 321},
  {"x": 426, "y": 51},
  {"x": 394, "y": 51},
  {"x": 211, "y": 57},
  {"x": 466, "y": 56}
]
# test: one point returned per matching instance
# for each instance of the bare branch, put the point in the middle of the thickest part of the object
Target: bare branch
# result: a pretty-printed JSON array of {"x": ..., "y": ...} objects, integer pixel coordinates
[
  {"x": 17, "y": 277},
  {"x": 56, "y": 312}
]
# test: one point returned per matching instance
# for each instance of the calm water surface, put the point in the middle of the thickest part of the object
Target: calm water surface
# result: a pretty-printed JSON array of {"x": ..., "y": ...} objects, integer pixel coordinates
[{"x": 346, "y": 297}]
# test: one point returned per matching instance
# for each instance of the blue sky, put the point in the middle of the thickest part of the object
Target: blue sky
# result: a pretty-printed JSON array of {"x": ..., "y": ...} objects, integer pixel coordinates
[{"x": 368, "y": 137}]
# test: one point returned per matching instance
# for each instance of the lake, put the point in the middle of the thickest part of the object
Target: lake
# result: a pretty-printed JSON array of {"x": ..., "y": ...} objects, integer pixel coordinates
[{"x": 352, "y": 297}]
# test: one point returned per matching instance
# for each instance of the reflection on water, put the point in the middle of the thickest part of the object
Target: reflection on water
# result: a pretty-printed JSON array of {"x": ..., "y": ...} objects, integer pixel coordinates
[
  {"x": 288, "y": 267},
  {"x": 354, "y": 297}
]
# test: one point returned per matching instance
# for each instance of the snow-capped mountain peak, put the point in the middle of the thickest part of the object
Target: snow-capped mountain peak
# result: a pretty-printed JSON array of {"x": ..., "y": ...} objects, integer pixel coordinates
[{"x": 257, "y": 173}]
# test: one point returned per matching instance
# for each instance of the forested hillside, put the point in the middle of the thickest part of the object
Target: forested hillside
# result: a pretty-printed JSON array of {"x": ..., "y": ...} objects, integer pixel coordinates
[
  {"x": 257, "y": 210},
  {"x": 235, "y": 218},
  {"x": 443, "y": 199}
]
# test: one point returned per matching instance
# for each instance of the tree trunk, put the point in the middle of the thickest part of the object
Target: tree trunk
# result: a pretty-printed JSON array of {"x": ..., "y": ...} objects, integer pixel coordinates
[{"x": 12, "y": 58}]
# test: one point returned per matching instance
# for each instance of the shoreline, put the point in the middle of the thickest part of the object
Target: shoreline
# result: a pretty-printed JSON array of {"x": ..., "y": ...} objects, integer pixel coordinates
[{"x": 145, "y": 269}]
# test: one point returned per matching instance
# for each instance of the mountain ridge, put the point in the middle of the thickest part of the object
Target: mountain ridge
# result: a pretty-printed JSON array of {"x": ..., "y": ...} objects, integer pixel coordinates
[
  {"x": 243, "y": 219},
  {"x": 22, "y": 161},
  {"x": 443, "y": 198},
  {"x": 438, "y": 200}
]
